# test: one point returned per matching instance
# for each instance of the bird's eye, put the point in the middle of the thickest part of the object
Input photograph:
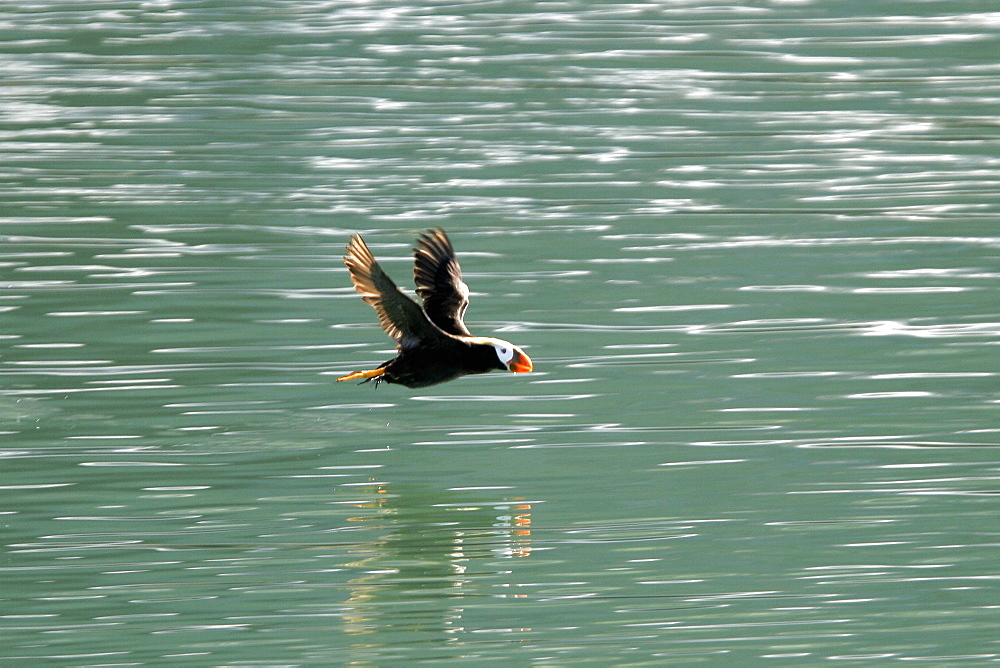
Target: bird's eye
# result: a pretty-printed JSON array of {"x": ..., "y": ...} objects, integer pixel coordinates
[{"x": 504, "y": 353}]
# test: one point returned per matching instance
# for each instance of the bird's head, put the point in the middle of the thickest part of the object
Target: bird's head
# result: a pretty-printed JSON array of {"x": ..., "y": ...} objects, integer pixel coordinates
[{"x": 510, "y": 356}]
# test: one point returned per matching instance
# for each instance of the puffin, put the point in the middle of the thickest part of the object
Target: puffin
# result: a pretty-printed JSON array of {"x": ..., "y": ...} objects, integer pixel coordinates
[{"x": 433, "y": 343}]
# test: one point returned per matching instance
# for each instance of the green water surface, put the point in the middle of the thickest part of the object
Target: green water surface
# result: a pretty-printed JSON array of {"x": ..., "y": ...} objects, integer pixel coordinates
[{"x": 751, "y": 248}]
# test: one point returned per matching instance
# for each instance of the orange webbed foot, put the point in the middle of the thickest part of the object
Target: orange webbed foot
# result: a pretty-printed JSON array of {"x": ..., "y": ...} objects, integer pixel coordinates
[{"x": 371, "y": 374}]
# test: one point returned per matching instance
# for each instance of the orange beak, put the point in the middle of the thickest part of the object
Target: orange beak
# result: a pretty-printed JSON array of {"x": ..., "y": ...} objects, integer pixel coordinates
[{"x": 521, "y": 363}]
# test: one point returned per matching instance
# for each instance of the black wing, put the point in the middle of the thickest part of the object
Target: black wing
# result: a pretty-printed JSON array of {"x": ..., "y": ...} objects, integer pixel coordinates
[
  {"x": 400, "y": 316},
  {"x": 439, "y": 282}
]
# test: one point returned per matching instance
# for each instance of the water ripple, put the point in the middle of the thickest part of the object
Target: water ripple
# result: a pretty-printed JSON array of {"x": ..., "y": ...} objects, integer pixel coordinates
[{"x": 767, "y": 229}]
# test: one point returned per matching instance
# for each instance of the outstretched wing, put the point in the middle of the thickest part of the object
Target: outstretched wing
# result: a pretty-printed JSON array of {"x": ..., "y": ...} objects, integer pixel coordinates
[
  {"x": 439, "y": 282},
  {"x": 400, "y": 317}
]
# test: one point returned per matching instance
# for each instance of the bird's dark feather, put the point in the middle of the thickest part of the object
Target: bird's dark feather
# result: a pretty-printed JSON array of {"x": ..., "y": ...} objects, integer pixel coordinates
[
  {"x": 400, "y": 316},
  {"x": 439, "y": 282}
]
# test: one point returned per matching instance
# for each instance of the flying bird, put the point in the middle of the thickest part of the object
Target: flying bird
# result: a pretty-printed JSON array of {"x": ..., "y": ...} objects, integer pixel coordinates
[{"x": 433, "y": 343}]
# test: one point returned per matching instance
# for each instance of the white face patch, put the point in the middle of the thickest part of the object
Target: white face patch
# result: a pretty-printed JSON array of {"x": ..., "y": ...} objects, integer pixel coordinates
[{"x": 505, "y": 352}]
